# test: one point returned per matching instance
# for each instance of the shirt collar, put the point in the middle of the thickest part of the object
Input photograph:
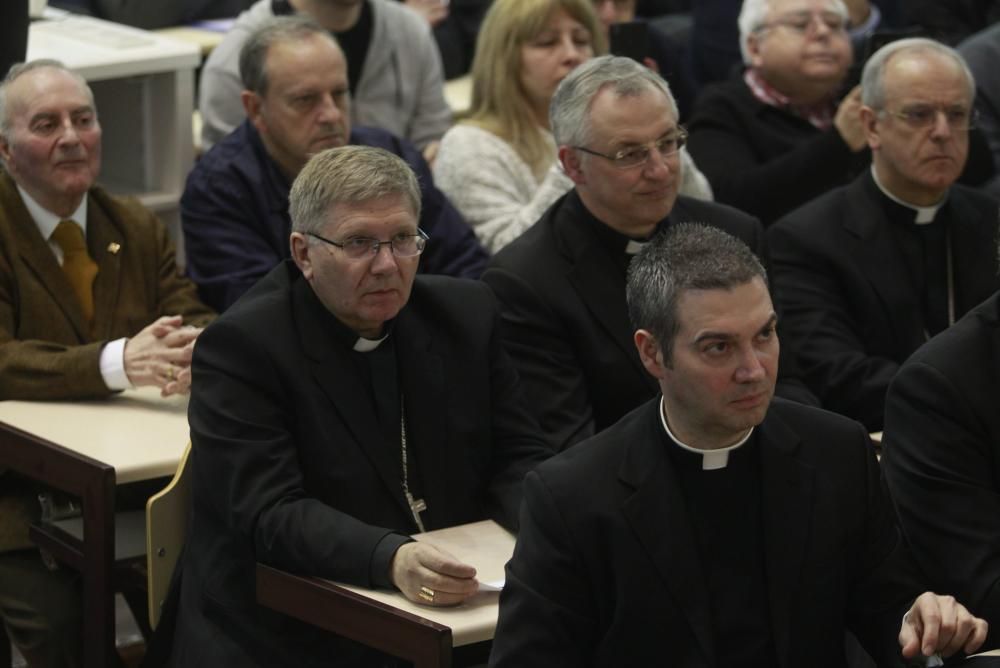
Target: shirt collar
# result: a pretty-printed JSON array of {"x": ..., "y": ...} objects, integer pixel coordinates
[
  {"x": 819, "y": 115},
  {"x": 711, "y": 459},
  {"x": 46, "y": 220},
  {"x": 363, "y": 345},
  {"x": 923, "y": 215}
]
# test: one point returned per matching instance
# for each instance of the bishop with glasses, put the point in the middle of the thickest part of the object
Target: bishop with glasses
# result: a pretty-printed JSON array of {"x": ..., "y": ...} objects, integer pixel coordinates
[{"x": 339, "y": 406}]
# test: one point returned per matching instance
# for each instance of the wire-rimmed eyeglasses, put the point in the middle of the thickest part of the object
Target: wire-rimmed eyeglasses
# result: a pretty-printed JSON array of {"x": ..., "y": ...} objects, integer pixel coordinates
[
  {"x": 638, "y": 155},
  {"x": 922, "y": 116},
  {"x": 806, "y": 23},
  {"x": 358, "y": 248}
]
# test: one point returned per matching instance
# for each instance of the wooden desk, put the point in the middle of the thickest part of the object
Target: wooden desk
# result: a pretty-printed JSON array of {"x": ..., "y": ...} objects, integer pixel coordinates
[
  {"x": 85, "y": 448},
  {"x": 386, "y": 620}
]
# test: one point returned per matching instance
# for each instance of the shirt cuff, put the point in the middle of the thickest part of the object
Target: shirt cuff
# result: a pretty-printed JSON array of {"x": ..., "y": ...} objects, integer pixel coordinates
[
  {"x": 382, "y": 557},
  {"x": 113, "y": 366}
]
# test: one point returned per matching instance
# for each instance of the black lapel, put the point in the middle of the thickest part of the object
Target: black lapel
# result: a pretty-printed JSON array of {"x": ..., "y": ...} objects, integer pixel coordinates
[
  {"x": 336, "y": 374},
  {"x": 598, "y": 281},
  {"x": 422, "y": 382},
  {"x": 878, "y": 253},
  {"x": 659, "y": 518},
  {"x": 787, "y": 508},
  {"x": 974, "y": 233}
]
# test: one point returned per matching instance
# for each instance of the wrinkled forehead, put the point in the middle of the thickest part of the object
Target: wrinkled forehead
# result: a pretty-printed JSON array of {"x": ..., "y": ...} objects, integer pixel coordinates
[
  {"x": 387, "y": 214},
  {"x": 46, "y": 89},
  {"x": 906, "y": 74},
  {"x": 783, "y": 7}
]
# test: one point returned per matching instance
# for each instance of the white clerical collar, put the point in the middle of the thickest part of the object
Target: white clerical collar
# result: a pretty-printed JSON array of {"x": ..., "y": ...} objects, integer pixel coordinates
[
  {"x": 924, "y": 214},
  {"x": 46, "y": 220},
  {"x": 363, "y": 345},
  {"x": 710, "y": 459},
  {"x": 633, "y": 246}
]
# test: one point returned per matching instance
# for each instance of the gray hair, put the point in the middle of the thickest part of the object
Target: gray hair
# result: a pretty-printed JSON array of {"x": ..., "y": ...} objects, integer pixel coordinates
[
  {"x": 569, "y": 112},
  {"x": 753, "y": 17},
  {"x": 348, "y": 175},
  {"x": 278, "y": 30},
  {"x": 19, "y": 69},
  {"x": 873, "y": 75},
  {"x": 689, "y": 256}
]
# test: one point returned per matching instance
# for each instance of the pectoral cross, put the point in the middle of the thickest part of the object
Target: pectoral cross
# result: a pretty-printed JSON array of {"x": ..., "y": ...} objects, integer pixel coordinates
[{"x": 417, "y": 506}]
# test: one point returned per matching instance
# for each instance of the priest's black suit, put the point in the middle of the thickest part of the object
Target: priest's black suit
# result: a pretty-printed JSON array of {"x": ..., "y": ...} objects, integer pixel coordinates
[
  {"x": 561, "y": 288},
  {"x": 606, "y": 573},
  {"x": 942, "y": 460},
  {"x": 850, "y": 309},
  {"x": 290, "y": 466}
]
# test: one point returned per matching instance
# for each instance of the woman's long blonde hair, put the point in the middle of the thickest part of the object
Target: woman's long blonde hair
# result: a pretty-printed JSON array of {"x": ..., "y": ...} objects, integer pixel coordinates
[{"x": 500, "y": 103}]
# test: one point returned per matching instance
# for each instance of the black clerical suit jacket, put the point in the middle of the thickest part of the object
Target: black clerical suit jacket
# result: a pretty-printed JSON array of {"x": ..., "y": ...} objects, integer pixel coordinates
[
  {"x": 849, "y": 307},
  {"x": 942, "y": 460},
  {"x": 605, "y": 571},
  {"x": 565, "y": 319},
  {"x": 289, "y": 465}
]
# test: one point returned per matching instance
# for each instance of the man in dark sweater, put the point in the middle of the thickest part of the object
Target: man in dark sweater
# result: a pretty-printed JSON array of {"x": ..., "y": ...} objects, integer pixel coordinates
[{"x": 235, "y": 205}]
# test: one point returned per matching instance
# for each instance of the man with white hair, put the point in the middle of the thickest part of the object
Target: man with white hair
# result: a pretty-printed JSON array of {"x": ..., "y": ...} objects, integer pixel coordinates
[
  {"x": 871, "y": 270},
  {"x": 776, "y": 136},
  {"x": 91, "y": 302}
]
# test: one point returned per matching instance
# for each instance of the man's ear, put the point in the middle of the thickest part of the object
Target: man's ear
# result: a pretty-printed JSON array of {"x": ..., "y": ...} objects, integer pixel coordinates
[
  {"x": 5, "y": 152},
  {"x": 299, "y": 245},
  {"x": 869, "y": 121},
  {"x": 570, "y": 160},
  {"x": 753, "y": 48},
  {"x": 252, "y": 104},
  {"x": 650, "y": 353}
]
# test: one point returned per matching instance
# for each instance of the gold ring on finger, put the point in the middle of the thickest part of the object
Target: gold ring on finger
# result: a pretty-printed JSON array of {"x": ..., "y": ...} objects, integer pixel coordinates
[{"x": 427, "y": 594}]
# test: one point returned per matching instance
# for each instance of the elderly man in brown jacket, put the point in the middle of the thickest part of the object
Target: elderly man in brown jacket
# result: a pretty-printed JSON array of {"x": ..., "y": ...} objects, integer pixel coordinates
[{"x": 91, "y": 302}]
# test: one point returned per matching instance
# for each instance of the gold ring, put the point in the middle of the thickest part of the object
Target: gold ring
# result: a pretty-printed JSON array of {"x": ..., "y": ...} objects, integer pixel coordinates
[
  {"x": 170, "y": 373},
  {"x": 427, "y": 594}
]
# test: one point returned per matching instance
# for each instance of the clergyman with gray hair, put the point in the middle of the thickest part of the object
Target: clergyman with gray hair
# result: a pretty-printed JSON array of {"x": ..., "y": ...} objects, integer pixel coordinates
[
  {"x": 871, "y": 270},
  {"x": 91, "y": 303},
  {"x": 343, "y": 404},
  {"x": 561, "y": 285},
  {"x": 715, "y": 525}
]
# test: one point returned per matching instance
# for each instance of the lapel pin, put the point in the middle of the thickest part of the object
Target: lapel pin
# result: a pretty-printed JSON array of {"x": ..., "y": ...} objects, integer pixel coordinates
[{"x": 114, "y": 247}]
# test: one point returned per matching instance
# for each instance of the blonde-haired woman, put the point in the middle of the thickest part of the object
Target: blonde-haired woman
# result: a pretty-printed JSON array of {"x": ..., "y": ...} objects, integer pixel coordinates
[{"x": 498, "y": 166}]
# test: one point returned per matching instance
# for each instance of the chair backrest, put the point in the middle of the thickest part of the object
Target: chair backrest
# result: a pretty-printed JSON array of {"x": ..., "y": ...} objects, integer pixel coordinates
[{"x": 166, "y": 526}]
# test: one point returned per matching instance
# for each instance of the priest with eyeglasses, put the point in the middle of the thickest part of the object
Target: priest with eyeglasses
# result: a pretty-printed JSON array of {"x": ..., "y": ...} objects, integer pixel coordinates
[{"x": 338, "y": 407}]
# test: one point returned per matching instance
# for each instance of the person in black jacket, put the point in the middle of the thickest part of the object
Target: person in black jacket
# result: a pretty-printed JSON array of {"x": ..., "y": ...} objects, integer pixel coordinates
[{"x": 713, "y": 526}]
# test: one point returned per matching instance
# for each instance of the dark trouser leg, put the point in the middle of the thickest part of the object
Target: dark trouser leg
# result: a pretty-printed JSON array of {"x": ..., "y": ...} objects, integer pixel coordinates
[{"x": 41, "y": 610}]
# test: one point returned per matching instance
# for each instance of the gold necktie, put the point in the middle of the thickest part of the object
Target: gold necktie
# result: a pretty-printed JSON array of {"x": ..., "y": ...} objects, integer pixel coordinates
[{"x": 79, "y": 268}]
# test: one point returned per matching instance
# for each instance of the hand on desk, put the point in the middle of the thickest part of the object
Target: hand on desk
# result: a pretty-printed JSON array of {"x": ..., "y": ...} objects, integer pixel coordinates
[
  {"x": 430, "y": 576},
  {"x": 160, "y": 355},
  {"x": 940, "y": 624}
]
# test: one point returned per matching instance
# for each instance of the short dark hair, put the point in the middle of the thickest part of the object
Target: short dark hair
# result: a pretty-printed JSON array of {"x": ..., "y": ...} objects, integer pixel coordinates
[
  {"x": 689, "y": 256},
  {"x": 278, "y": 30}
]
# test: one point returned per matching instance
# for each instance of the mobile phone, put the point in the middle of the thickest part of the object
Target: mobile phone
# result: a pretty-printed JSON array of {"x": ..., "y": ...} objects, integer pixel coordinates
[{"x": 630, "y": 39}]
